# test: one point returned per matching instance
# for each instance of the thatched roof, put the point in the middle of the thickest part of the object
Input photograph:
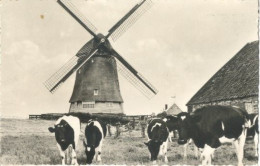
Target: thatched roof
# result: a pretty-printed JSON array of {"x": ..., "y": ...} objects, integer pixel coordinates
[
  {"x": 238, "y": 78},
  {"x": 173, "y": 110},
  {"x": 98, "y": 73}
]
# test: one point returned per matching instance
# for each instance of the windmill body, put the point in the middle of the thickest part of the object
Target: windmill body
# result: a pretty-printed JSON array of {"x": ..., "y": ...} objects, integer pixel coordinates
[{"x": 96, "y": 88}]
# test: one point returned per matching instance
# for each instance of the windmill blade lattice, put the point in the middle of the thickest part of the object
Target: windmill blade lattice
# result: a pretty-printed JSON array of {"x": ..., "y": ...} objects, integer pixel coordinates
[
  {"x": 129, "y": 19},
  {"x": 86, "y": 52},
  {"x": 76, "y": 14},
  {"x": 52, "y": 83},
  {"x": 125, "y": 72}
]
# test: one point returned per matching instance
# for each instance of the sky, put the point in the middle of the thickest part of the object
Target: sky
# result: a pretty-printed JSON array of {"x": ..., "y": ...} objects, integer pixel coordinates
[{"x": 177, "y": 45}]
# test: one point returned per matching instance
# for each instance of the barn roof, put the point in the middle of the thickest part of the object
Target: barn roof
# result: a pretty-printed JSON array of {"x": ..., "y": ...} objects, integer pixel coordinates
[
  {"x": 173, "y": 110},
  {"x": 238, "y": 78}
]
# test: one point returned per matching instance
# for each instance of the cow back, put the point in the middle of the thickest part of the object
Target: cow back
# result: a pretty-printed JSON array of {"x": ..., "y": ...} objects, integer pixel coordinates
[
  {"x": 220, "y": 120},
  {"x": 94, "y": 133},
  {"x": 157, "y": 130}
]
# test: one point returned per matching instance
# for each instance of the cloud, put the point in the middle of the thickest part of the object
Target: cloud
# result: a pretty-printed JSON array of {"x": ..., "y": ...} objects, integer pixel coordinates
[{"x": 25, "y": 55}]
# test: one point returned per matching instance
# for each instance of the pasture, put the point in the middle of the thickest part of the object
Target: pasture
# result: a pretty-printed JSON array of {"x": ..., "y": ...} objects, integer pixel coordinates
[{"x": 29, "y": 142}]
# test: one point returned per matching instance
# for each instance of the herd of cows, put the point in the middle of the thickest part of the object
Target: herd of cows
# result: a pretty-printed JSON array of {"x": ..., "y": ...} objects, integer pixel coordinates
[{"x": 208, "y": 127}]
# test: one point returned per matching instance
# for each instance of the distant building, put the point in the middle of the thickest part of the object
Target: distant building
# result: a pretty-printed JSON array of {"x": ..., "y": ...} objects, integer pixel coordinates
[
  {"x": 236, "y": 83},
  {"x": 173, "y": 110}
]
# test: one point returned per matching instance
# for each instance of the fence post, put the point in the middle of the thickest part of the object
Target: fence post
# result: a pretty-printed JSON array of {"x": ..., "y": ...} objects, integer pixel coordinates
[
  {"x": 117, "y": 130},
  {"x": 109, "y": 129}
]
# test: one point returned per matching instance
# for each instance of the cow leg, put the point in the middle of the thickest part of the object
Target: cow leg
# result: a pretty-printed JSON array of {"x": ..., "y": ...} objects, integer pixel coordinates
[
  {"x": 236, "y": 146},
  {"x": 165, "y": 151},
  {"x": 170, "y": 136},
  {"x": 206, "y": 155},
  {"x": 185, "y": 151},
  {"x": 98, "y": 154},
  {"x": 212, "y": 156},
  {"x": 196, "y": 151},
  {"x": 74, "y": 158},
  {"x": 239, "y": 144},
  {"x": 62, "y": 154},
  {"x": 256, "y": 143}
]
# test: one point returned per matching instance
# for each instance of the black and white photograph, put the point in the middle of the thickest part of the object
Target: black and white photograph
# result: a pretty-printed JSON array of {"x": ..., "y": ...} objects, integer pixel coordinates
[{"x": 129, "y": 82}]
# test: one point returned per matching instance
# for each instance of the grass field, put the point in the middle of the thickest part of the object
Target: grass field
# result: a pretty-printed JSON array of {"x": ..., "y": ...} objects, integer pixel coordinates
[{"x": 29, "y": 142}]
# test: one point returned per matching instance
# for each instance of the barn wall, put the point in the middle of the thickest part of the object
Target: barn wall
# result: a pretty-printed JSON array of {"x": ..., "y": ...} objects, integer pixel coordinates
[
  {"x": 99, "y": 107},
  {"x": 250, "y": 104}
]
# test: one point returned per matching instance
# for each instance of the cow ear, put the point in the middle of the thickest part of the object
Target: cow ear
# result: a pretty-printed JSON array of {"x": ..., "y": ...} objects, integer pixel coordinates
[
  {"x": 51, "y": 129},
  {"x": 146, "y": 143}
]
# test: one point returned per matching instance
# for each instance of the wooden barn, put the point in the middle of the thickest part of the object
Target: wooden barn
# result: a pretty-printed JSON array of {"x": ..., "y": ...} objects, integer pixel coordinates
[{"x": 236, "y": 83}]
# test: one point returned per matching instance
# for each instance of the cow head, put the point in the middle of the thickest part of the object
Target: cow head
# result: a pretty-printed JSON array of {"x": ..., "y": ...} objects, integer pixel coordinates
[
  {"x": 172, "y": 122},
  {"x": 154, "y": 148},
  {"x": 186, "y": 126},
  {"x": 90, "y": 152},
  {"x": 63, "y": 133}
]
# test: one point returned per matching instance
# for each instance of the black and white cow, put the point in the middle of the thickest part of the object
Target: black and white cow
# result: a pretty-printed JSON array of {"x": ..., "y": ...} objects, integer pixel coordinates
[
  {"x": 158, "y": 133},
  {"x": 210, "y": 126},
  {"x": 67, "y": 130},
  {"x": 173, "y": 123},
  {"x": 253, "y": 131},
  {"x": 95, "y": 132}
]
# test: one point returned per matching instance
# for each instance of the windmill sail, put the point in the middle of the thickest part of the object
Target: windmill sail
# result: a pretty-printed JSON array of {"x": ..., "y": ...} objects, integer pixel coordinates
[
  {"x": 100, "y": 43},
  {"x": 84, "y": 54},
  {"x": 134, "y": 77},
  {"x": 71, "y": 9},
  {"x": 129, "y": 19}
]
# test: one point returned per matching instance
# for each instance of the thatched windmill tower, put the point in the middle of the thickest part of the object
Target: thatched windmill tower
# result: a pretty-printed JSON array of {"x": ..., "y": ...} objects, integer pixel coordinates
[{"x": 96, "y": 88}]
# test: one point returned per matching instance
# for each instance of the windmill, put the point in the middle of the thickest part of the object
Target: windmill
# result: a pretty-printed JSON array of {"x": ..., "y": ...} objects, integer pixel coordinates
[{"x": 96, "y": 88}]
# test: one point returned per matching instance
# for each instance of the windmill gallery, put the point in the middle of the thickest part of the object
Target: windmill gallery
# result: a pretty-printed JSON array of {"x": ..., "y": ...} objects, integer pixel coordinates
[{"x": 96, "y": 101}]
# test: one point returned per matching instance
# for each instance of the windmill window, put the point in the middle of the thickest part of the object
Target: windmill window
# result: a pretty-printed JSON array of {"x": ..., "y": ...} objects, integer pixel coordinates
[
  {"x": 95, "y": 92},
  {"x": 88, "y": 104}
]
